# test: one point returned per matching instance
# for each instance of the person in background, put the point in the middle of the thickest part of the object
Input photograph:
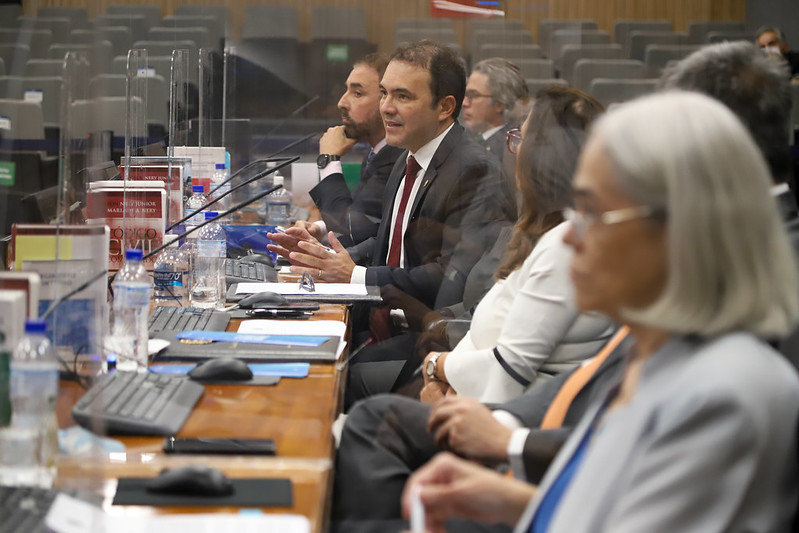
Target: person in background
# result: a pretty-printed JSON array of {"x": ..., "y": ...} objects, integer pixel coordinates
[
  {"x": 756, "y": 89},
  {"x": 674, "y": 233},
  {"x": 772, "y": 40},
  {"x": 354, "y": 217},
  {"x": 493, "y": 90}
]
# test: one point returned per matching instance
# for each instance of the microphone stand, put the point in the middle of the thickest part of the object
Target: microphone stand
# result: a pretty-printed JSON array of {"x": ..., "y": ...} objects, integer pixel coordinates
[{"x": 233, "y": 189}]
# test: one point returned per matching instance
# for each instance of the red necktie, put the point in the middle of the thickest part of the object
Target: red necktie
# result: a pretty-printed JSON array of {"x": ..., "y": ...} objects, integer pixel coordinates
[
  {"x": 380, "y": 322},
  {"x": 395, "y": 248}
]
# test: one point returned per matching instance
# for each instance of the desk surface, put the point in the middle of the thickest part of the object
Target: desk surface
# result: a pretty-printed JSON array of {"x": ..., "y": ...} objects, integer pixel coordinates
[{"x": 296, "y": 413}]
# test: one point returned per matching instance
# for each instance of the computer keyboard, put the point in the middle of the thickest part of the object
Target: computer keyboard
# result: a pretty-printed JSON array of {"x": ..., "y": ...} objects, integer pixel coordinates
[
  {"x": 237, "y": 271},
  {"x": 23, "y": 509},
  {"x": 166, "y": 321},
  {"x": 137, "y": 403}
]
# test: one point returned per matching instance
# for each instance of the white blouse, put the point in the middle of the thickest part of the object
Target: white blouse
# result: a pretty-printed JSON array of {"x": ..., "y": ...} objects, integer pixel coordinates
[{"x": 531, "y": 322}]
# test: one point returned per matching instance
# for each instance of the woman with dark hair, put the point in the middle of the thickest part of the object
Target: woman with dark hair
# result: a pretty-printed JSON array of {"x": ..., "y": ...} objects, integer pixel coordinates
[{"x": 528, "y": 324}]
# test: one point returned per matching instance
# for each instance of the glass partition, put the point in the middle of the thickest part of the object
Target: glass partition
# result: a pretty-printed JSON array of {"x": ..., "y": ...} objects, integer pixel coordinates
[{"x": 102, "y": 100}]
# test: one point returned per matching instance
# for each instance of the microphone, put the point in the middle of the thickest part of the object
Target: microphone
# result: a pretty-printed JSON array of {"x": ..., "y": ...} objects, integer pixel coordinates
[
  {"x": 266, "y": 172},
  {"x": 267, "y": 159},
  {"x": 292, "y": 114},
  {"x": 99, "y": 275}
]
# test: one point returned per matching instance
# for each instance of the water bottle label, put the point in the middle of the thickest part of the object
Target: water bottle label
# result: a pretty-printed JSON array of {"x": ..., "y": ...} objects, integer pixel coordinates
[
  {"x": 211, "y": 248},
  {"x": 131, "y": 296},
  {"x": 167, "y": 278}
]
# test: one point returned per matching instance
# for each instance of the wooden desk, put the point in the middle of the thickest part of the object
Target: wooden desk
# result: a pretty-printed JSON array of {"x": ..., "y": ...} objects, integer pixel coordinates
[{"x": 297, "y": 413}]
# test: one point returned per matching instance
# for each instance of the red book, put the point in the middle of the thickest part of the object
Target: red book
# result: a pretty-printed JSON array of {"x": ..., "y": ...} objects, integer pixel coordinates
[
  {"x": 136, "y": 216},
  {"x": 159, "y": 172}
]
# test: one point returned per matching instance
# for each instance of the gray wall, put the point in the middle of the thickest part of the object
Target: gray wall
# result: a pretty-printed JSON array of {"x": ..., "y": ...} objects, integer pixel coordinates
[{"x": 781, "y": 13}]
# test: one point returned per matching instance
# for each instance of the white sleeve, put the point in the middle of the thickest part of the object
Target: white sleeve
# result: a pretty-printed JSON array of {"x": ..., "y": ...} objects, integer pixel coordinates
[
  {"x": 334, "y": 167},
  {"x": 541, "y": 313},
  {"x": 358, "y": 275}
]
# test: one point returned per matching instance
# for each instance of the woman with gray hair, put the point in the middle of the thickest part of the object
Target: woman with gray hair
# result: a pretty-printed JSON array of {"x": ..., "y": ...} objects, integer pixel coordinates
[{"x": 674, "y": 233}]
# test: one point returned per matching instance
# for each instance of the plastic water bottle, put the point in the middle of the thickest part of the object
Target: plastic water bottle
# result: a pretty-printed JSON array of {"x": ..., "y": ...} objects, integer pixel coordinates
[
  {"x": 171, "y": 276},
  {"x": 278, "y": 205},
  {"x": 132, "y": 292},
  {"x": 195, "y": 202},
  {"x": 28, "y": 447},
  {"x": 208, "y": 289},
  {"x": 220, "y": 175}
]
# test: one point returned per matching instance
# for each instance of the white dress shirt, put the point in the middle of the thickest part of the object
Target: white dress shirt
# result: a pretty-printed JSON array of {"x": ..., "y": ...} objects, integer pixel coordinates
[{"x": 423, "y": 156}]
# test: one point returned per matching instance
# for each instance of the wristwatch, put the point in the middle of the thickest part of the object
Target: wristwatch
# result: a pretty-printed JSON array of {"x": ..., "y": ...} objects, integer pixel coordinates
[
  {"x": 430, "y": 367},
  {"x": 324, "y": 159}
]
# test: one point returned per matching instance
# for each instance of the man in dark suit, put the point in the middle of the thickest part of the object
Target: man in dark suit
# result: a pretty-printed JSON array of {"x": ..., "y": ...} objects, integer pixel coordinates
[
  {"x": 355, "y": 216},
  {"x": 387, "y": 437},
  {"x": 494, "y": 89},
  {"x": 452, "y": 186}
]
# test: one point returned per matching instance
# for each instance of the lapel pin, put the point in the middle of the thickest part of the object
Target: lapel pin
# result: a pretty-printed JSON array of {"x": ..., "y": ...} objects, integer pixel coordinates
[{"x": 425, "y": 183}]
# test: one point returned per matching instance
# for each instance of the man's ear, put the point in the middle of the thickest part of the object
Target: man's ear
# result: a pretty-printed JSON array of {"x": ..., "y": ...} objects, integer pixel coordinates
[{"x": 446, "y": 107}]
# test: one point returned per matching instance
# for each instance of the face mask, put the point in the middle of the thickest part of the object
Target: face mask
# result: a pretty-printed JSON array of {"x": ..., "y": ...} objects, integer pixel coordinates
[{"x": 773, "y": 50}]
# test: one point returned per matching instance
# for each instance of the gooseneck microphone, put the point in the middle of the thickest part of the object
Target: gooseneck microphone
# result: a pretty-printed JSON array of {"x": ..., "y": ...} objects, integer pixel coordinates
[
  {"x": 285, "y": 162},
  {"x": 248, "y": 166}
]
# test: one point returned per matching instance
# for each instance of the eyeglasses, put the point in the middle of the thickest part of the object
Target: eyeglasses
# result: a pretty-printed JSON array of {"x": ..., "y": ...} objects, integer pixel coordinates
[
  {"x": 474, "y": 95},
  {"x": 580, "y": 221},
  {"x": 514, "y": 140}
]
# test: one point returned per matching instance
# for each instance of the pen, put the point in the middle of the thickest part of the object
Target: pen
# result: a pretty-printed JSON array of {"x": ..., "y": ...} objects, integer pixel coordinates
[
  {"x": 417, "y": 511},
  {"x": 279, "y": 313}
]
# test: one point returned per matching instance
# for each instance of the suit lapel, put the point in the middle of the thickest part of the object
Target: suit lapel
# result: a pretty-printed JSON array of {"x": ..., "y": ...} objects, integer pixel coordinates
[{"x": 449, "y": 142}]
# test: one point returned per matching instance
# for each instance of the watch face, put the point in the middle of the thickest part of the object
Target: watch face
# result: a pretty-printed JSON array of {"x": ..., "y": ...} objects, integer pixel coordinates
[
  {"x": 322, "y": 160},
  {"x": 430, "y": 369}
]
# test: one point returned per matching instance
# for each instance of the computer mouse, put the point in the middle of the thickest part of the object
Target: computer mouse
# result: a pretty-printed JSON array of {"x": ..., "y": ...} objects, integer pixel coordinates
[
  {"x": 194, "y": 480},
  {"x": 257, "y": 258},
  {"x": 221, "y": 369},
  {"x": 262, "y": 298}
]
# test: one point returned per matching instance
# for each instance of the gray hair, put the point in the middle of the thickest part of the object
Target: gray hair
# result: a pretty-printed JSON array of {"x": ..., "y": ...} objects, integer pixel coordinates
[
  {"x": 505, "y": 82},
  {"x": 752, "y": 84},
  {"x": 770, "y": 29},
  {"x": 730, "y": 262}
]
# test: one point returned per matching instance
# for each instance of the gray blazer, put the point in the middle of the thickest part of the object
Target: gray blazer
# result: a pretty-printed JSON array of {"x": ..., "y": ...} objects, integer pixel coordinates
[{"x": 707, "y": 444}]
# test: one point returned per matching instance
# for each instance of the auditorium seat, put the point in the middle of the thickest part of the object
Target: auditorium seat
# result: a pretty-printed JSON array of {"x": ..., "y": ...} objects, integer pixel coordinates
[
  {"x": 150, "y": 12},
  {"x": 546, "y": 27},
  {"x": 26, "y": 120},
  {"x": 614, "y": 91},
  {"x": 571, "y": 53},
  {"x": 622, "y": 29},
  {"x": 78, "y": 16},
  {"x": 698, "y": 30},
  {"x": 639, "y": 40},
  {"x": 586, "y": 70},
  {"x": 535, "y": 85},
  {"x": 510, "y": 52}
]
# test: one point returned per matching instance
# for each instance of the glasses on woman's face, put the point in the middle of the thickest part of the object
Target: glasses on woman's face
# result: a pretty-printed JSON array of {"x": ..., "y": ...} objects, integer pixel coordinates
[
  {"x": 514, "y": 140},
  {"x": 580, "y": 221}
]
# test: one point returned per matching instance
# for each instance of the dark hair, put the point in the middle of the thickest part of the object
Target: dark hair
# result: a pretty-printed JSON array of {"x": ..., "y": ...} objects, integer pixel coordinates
[
  {"x": 377, "y": 61},
  {"x": 447, "y": 71},
  {"x": 752, "y": 84},
  {"x": 547, "y": 159}
]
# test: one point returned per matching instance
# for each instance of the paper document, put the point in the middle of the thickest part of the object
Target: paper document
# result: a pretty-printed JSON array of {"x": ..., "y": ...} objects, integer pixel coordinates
[
  {"x": 324, "y": 289},
  {"x": 325, "y": 328},
  {"x": 69, "y": 515}
]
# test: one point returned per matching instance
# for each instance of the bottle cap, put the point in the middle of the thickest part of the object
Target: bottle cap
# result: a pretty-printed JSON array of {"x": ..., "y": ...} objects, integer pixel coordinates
[
  {"x": 220, "y": 166},
  {"x": 35, "y": 325},
  {"x": 277, "y": 179},
  {"x": 210, "y": 214},
  {"x": 133, "y": 255},
  {"x": 197, "y": 189}
]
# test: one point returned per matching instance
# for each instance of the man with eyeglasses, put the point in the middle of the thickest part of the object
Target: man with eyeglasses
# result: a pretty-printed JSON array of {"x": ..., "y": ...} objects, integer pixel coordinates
[{"x": 494, "y": 90}]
